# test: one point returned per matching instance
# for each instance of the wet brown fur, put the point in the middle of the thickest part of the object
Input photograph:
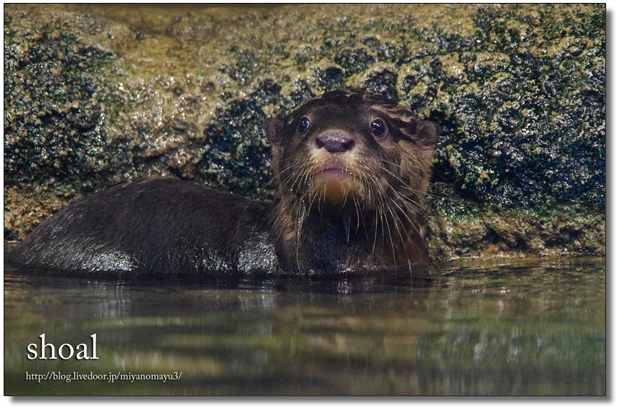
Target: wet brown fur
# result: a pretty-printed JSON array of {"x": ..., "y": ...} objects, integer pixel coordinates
[{"x": 382, "y": 217}]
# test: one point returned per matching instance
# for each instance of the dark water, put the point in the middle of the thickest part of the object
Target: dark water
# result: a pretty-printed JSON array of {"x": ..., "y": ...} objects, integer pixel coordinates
[{"x": 521, "y": 328}]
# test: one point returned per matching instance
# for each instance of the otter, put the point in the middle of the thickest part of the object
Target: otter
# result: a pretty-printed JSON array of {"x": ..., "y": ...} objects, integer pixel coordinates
[{"x": 351, "y": 171}]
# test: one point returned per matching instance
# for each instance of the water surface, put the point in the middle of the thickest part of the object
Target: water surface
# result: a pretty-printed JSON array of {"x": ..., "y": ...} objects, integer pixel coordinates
[{"x": 535, "y": 327}]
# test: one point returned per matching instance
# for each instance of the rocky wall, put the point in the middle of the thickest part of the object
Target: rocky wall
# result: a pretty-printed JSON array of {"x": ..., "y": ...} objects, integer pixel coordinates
[{"x": 96, "y": 95}]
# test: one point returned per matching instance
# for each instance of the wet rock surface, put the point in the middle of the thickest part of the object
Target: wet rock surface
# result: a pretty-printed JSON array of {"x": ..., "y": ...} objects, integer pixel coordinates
[{"x": 101, "y": 94}]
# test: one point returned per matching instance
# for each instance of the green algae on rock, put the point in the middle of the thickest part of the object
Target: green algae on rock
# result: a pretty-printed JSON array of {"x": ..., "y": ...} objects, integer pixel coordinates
[
  {"x": 99, "y": 95},
  {"x": 58, "y": 106}
]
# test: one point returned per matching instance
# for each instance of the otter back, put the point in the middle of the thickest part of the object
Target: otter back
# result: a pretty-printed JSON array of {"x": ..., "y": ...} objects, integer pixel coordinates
[{"x": 156, "y": 227}]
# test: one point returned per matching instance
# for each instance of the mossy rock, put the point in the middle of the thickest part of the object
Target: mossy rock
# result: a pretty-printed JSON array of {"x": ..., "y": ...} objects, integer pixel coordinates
[{"x": 100, "y": 94}]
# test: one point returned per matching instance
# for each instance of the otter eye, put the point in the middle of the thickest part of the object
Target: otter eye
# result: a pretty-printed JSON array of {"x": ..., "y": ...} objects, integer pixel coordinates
[
  {"x": 304, "y": 124},
  {"x": 378, "y": 127}
]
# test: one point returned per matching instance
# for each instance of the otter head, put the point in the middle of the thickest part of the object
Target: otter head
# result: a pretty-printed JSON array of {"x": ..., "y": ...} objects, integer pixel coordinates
[{"x": 351, "y": 151}]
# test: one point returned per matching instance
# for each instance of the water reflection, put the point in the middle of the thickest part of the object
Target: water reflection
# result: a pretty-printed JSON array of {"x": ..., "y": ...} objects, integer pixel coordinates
[
  {"x": 497, "y": 329},
  {"x": 114, "y": 301}
]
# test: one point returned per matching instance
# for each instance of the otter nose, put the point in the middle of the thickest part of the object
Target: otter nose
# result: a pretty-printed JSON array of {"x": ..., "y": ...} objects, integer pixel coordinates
[{"x": 334, "y": 144}]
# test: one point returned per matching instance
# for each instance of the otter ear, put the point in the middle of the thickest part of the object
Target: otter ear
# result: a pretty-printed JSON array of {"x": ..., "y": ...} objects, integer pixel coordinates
[
  {"x": 273, "y": 128},
  {"x": 428, "y": 133}
]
